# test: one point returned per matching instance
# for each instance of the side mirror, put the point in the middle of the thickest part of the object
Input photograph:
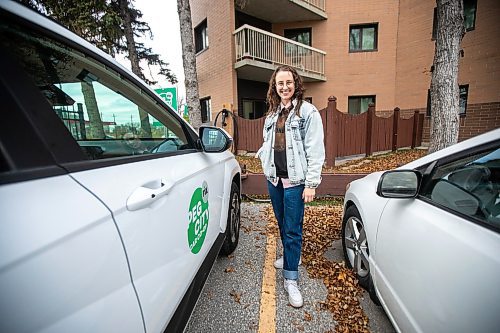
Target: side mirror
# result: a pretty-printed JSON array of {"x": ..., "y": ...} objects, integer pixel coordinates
[
  {"x": 214, "y": 139},
  {"x": 399, "y": 184}
]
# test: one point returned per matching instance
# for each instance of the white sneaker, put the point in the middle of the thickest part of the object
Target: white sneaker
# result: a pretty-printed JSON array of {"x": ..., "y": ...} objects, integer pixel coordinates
[
  {"x": 294, "y": 295},
  {"x": 279, "y": 263}
]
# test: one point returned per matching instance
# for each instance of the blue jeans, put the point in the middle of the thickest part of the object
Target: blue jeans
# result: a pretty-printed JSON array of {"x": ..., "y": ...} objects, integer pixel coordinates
[{"x": 288, "y": 207}]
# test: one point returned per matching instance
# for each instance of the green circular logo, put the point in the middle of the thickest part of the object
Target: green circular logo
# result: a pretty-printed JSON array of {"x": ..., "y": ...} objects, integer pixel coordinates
[{"x": 198, "y": 218}]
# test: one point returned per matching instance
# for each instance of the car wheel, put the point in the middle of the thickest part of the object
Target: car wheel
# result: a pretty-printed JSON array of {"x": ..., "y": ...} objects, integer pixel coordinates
[
  {"x": 233, "y": 221},
  {"x": 356, "y": 251}
]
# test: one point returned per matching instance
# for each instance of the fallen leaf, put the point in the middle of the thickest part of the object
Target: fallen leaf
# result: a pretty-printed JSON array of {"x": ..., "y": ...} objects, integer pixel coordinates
[
  {"x": 322, "y": 225},
  {"x": 236, "y": 296},
  {"x": 365, "y": 165}
]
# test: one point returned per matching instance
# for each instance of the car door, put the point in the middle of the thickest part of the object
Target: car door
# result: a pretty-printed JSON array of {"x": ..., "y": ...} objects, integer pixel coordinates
[
  {"x": 140, "y": 161},
  {"x": 166, "y": 237},
  {"x": 167, "y": 205},
  {"x": 437, "y": 255},
  {"x": 63, "y": 267}
]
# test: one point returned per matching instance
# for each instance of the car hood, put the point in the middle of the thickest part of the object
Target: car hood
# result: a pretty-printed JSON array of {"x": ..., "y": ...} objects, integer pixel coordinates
[{"x": 369, "y": 181}]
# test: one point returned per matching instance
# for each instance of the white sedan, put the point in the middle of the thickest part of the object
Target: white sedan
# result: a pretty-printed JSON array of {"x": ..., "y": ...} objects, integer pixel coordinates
[{"x": 424, "y": 239}]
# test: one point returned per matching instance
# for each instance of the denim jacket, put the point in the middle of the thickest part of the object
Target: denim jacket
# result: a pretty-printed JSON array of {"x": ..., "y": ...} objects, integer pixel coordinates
[{"x": 305, "y": 151}]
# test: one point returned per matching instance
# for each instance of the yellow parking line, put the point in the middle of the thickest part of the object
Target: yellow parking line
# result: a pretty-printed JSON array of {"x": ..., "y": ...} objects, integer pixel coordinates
[{"x": 267, "y": 317}]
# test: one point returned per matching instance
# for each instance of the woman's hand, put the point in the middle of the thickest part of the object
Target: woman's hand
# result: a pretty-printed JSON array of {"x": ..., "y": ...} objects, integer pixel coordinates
[{"x": 308, "y": 194}]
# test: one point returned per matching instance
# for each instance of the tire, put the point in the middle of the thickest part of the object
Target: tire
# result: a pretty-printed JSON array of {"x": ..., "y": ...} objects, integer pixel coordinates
[
  {"x": 356, "y": 250},
  {"x": 233, "y": 222}
]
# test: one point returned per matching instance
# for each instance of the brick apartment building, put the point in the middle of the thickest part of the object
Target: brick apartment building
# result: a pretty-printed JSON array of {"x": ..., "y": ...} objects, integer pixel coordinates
[{"x": 378, "y": 51}]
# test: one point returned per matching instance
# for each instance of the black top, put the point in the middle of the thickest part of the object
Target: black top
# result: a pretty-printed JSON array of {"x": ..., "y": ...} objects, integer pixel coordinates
[{"x": 280, "y": 143}]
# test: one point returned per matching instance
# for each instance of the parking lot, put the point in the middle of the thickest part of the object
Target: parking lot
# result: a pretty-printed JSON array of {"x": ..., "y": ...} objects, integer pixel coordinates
[{"x": 237, "y": 297}]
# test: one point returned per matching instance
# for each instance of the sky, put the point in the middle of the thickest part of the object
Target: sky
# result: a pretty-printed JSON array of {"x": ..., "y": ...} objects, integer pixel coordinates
[{"x": 162, "y": 17}]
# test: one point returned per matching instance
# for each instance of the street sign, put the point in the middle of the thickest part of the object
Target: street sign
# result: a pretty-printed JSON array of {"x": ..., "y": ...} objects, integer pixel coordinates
[{"x": 169, "y": 95}]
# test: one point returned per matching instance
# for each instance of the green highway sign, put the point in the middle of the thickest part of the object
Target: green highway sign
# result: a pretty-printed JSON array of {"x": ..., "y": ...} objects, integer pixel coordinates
[{"x": 169, "y": 95}]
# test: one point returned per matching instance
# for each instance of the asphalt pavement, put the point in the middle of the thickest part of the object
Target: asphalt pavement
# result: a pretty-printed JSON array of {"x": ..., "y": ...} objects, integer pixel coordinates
[{"x": 231, "y": 298}]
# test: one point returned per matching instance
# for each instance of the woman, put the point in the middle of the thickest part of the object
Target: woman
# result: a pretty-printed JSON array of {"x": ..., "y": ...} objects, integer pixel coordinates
[{"x": 292, "y": 156}]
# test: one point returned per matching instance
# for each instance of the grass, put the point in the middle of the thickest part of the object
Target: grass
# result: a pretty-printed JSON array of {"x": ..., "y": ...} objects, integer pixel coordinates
[
  {"x": 326, "y": 201},
  {"x": 321, "y": 201}
]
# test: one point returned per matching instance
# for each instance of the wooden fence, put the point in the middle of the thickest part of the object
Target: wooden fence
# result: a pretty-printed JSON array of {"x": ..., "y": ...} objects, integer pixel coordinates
[{"x": 347, "y": 134}]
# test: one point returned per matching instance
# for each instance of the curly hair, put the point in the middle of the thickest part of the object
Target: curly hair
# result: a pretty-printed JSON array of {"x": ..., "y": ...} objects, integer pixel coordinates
[{"x": 273, "y": 99}]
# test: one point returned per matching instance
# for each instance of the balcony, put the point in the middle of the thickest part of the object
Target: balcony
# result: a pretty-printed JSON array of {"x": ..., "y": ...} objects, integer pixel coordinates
[
  {"x": 289, "y": 10},
  {"x": 258, "y": 52}
]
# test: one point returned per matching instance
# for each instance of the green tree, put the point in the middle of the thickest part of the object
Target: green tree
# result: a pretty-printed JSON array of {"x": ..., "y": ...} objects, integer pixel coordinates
[
  {"x": 92, "y": 20},
  {"x": 110, "y": 25}
]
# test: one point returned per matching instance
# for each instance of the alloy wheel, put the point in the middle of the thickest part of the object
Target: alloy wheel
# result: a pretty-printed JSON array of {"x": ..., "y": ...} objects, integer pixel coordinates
[
  {"x": 357, "y": 246},
  {"x": 235, "y": 216}
]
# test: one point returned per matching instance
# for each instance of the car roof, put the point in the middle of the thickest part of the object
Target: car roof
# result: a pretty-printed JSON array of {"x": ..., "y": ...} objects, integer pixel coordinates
[{"x": 458, "y": 147}]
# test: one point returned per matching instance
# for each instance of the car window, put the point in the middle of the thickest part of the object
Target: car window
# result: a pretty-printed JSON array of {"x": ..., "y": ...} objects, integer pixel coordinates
[
  {"x": 104, "y": 112},
  {"x": 469, "y": 186}
]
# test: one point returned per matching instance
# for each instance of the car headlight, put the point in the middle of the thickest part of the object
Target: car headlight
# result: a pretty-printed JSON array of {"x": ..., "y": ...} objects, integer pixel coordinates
[{"x": 347, "y": 186}]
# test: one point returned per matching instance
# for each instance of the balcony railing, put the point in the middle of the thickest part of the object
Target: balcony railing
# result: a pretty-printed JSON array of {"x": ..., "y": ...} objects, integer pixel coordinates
[{"x": 256, "y": 44}]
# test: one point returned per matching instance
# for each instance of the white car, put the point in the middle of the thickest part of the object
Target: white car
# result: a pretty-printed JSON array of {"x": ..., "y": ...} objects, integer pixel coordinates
[
  {"x": 424, "y": 239},
  {"x": 112, "y": 208}
]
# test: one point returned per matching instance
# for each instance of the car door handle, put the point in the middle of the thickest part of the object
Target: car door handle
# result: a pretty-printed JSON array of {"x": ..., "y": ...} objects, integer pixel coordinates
[{"x": 147, "y": 194}]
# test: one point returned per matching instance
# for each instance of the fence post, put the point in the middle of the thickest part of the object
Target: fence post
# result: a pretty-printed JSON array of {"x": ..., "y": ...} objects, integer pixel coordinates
[
  {"x": 415, "y": 129},
  {"x": 330, "y": 132},
  {"x": 395, "y": 129},
  {"x": 369, "y": 128},
  {"x": 421, "y": 118}
]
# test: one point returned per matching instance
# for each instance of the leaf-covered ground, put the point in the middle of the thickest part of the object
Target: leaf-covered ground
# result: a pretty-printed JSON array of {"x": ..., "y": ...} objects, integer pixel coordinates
[
  {"x": 360, "y": 165},
  {"x": 322, "y": 225}
]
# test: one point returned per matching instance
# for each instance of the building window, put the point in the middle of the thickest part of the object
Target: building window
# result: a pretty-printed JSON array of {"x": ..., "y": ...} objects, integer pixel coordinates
[
  {"x": 463, "y": 95},
  {"x": 428, "y": 113},
  {"x": 359, "y": 104},
  {"x": 470, "y": 7},
  {"x": 434, "y": 23},
  {"x": 363, "y": 37},
  {"x": 253, "y": 109},
  {"x": 303, "y": 36},
  {"x": 201, "y": 36},
  {"x": 205, "y": 109}
]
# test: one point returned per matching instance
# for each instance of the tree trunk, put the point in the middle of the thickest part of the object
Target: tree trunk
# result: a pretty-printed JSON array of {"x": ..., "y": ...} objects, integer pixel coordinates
[
  {"x": 189, "y": 62},
  {"x": 134, "y": 61},
  {"x": 96, "y": 126},
  {"x": 444, "y": 82}
]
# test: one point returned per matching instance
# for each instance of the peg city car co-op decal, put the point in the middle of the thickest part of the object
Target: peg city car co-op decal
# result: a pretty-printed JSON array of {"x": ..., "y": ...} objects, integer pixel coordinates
[{"x": 198, "y": 218}]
